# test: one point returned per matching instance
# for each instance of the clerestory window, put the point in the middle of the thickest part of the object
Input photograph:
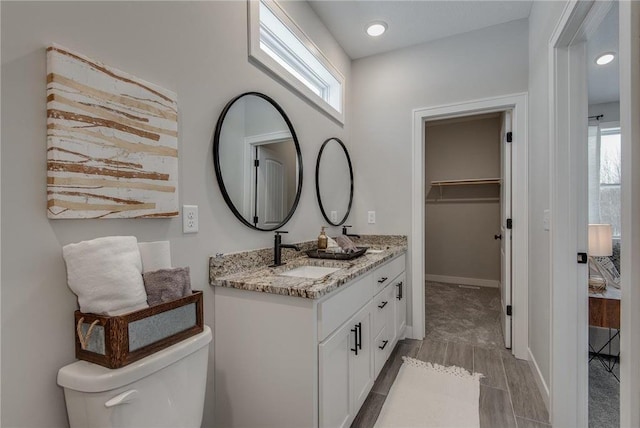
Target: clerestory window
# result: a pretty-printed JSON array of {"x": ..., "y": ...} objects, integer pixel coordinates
[{"x": 279, "y": 45}]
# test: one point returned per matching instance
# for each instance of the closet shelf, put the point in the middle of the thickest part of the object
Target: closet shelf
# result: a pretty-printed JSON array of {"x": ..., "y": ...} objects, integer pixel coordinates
[
  {"x": 465, "y": 182},
  {"x": 462, "y": 200}
]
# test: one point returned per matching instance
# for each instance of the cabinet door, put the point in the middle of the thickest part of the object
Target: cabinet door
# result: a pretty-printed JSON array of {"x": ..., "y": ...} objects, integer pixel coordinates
[
  {"x": 400, "y": 290},
  {"x": 345, "y": 370},
  {"x": 361, "y": 364},
  {"x": 334, "y": 356}
]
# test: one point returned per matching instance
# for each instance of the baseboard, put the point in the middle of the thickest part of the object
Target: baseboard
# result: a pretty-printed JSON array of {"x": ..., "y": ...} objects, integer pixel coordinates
[
  {"x": 461, "y": 280},
  {"x": 537, "y": 375},
  {"x": 408, "y": 332}
]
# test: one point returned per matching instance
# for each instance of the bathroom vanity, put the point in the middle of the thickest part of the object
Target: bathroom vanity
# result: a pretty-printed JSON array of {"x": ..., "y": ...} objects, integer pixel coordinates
[{"x": 304, "y": 351}]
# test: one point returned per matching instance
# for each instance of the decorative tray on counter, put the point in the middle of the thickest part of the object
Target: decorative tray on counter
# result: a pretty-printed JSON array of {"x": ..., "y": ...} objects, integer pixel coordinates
[{"x": 320, "y": 254}]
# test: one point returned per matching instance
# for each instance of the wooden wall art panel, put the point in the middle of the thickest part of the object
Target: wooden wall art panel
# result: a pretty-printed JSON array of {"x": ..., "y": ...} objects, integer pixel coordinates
[{"x": 112, "y": 142}]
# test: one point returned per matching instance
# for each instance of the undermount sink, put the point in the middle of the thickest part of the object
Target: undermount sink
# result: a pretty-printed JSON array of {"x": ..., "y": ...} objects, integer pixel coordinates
[{"x": 311, "y": 272}]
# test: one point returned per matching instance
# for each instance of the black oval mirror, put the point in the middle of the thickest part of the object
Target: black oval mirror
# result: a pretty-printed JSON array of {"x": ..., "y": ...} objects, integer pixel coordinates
[
  {"x": 258, "y": 162},
  {"x": 334, "y": 181}
]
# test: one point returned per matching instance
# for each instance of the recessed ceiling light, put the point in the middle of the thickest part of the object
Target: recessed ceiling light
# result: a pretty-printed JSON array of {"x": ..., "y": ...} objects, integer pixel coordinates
[
  {"x": 605, "y": 58},
  {"x": 375, "y": 29}
]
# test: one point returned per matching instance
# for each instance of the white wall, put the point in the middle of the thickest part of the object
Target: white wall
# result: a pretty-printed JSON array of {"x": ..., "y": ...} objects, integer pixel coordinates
[
  {"x": 387, "y": 87},
  {"x": 542, "y": 21},
  {"x": 197, "y": 49}
]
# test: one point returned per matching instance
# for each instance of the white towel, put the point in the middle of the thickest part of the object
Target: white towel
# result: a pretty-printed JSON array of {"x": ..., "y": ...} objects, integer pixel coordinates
[
  {"x": 106, "y": 275},
  {"x": 155, "y": 255}
]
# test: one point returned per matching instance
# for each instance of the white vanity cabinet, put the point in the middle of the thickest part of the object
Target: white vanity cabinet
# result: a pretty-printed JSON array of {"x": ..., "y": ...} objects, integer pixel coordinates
[{"x": 283, "y": 361}]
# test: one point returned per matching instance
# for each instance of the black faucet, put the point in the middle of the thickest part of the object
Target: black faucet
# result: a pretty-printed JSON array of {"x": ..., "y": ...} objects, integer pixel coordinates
[
  {"x": 344, "y": 232},
  {"x": 278, "y": 246}
]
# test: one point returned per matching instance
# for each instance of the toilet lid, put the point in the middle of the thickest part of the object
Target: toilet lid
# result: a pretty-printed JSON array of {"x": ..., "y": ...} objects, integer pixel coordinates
[{"x": 84, "y": 376}]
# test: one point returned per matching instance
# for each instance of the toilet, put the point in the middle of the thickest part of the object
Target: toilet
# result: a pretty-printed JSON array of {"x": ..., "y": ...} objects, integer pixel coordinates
[{"x": 165, "y": 389}]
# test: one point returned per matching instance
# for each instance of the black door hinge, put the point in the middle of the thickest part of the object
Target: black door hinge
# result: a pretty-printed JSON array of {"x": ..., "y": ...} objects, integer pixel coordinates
[
  {"x": 582, "y": 258},
  {"x": 509, "y": 223},
  {"x": 509, "y": 310},
  {"x": 256, "y": 163},
  {"x": 509, "y": 137}
]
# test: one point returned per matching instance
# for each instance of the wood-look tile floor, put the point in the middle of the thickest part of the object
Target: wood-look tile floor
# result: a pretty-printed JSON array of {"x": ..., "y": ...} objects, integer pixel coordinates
[{"x": 509, "y": 396}]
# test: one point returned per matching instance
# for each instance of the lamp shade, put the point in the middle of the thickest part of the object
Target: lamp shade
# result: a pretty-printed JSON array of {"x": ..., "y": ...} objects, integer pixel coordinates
[{"x": 600, "y": 240}]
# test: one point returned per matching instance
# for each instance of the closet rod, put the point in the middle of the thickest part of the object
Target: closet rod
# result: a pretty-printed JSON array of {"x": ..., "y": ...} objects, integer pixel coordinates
[
  {"x": 431, "y": 200},
  {"x": 466, "y": 181},
  {"x": 598, "y": 117}
]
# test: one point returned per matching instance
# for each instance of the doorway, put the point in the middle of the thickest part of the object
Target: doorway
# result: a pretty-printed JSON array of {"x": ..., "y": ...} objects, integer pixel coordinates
[
  {"x": 467, "y": 253},
  {"x": 269, "y": 181},
  {"x": 517, "y": 104},
  {"x": 604, "y": 230},
  {"x": 569, "y": 204}
]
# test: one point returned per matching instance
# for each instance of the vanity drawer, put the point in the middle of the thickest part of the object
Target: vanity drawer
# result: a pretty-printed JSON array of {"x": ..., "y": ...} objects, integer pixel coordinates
[
  {"x": 382, "y": 345},
  {"x": 382, "y": 309},
  {"x": 387, "y": 272},
  {"x": 333, "y": 312}
]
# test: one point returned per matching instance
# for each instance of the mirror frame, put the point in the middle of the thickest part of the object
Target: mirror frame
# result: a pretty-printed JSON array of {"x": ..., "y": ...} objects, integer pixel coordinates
[
  {"x": 216, "y": 160},
  {"x": 324, "y": 214}
]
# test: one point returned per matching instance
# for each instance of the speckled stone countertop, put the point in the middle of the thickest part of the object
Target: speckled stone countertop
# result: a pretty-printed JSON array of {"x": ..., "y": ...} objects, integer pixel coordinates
[{"x": 250, "y": 271}]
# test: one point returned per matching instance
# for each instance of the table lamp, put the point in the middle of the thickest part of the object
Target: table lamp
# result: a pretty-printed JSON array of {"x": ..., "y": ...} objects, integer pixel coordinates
[{"x": 600, "y": 245}]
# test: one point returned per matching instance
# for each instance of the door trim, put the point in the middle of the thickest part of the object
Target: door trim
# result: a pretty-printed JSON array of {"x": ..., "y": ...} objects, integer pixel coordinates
[
  {"x": 517, "y": 103},
  {"x": 629, "y": 50}
]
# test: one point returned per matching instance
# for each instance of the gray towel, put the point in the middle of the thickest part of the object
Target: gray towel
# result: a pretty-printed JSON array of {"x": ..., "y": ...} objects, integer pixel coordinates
[
  {"x": 165, "y": 285},
  {"x": 346, "y": 244}
]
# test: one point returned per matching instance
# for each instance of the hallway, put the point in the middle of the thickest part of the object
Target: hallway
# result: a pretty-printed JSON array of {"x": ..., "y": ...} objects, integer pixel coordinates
[{"x": 463, "y": 329}]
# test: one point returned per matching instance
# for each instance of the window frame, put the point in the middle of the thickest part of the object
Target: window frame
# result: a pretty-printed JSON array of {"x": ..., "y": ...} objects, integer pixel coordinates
[
  {"x": 265, "y": 61},
  {"x": 602, "y": 126}
]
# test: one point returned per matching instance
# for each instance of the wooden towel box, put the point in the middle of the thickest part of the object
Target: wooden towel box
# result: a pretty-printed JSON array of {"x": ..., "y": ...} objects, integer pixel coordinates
[{"x": 116, "y": 341}]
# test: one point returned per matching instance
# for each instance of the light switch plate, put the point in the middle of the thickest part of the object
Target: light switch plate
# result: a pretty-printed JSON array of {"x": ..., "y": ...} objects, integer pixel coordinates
[
  {"x": 334, "y": 216},
  {"x": 546, "y": 220},
  {"x": 189, "y": 219},
  {"x": 371, "y": 217}
]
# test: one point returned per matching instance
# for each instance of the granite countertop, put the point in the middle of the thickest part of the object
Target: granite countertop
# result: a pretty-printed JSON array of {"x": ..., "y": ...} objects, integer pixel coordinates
[{"x": 267, "y": 279}]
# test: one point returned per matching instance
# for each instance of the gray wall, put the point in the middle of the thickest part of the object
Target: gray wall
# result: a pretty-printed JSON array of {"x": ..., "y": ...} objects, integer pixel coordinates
[
  {"x": 460, "y": 235},
  {"x": 197, "y": 49},
  {"x": 386, "y": 88},
  {"x": 611, "y": 111},
  {"x": 542, "y": 20}
]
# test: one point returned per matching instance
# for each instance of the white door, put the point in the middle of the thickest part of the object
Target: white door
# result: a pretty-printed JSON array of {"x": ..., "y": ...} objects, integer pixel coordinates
[
  {"x": 505, "y": 231},
  {"x": 271, "y": 194}
]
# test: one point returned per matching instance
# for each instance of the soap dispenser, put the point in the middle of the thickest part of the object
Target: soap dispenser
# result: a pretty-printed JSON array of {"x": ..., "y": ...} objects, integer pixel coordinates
[{"x": 322, "y": 240}]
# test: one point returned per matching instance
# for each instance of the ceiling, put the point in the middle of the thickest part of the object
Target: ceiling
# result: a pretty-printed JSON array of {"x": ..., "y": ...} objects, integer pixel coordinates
[
  {"x": 604, "y": 80},
  {"x": 418, "y": 21},
  {"x": 410, "y": 22}
]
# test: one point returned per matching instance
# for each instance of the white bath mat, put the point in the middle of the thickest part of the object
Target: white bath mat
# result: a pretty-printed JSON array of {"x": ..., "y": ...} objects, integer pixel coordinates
[{"x": 431, "y": 395}]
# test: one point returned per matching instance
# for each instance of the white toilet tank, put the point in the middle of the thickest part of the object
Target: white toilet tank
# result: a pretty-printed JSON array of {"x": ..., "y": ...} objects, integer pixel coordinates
[{"x": 165, "y": 389}]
